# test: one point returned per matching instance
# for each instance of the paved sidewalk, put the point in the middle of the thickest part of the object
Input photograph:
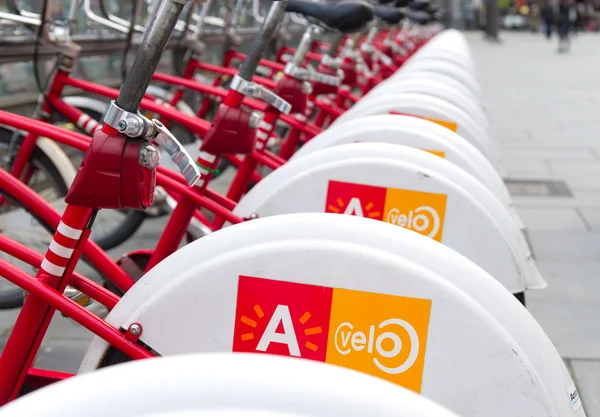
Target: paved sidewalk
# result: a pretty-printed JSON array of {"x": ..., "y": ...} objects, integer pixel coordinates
[{"x": 544, "y": 109}]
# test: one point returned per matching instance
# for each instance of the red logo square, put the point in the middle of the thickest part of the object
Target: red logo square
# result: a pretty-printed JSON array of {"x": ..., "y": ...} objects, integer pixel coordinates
[
  {"x": 355, "y": 199},
  {"x": 282, "y": 318}
]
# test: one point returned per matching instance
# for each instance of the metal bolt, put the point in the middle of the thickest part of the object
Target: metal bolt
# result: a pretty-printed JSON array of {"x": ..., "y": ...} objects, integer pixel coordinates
[
  {"x": 122, "y": 125},
  {"x": 149, "y": 156},
  {"x": 307, "y": 87},
  {"x": 251, "y": 90},
  {"x": 135, "y": 329},
  {"x": 254, "y": 120}
]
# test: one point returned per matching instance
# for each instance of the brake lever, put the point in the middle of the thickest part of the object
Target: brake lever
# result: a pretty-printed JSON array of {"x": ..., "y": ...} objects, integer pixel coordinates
[{"x": 177, "y": 152}]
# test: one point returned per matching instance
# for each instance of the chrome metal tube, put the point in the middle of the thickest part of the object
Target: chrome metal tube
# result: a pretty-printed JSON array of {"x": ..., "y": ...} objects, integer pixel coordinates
[
  {"x": 265, "y": 34},
  {"x": 305, "y": 43},
  {"x": 199, "y": 28},
  {"x": 336, "y": 41},
  {"x": 149, "y": 53}
]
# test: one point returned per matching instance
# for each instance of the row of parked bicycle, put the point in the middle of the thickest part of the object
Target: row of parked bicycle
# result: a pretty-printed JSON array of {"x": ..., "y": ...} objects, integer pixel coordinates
[{"x": 377, "y": 114}]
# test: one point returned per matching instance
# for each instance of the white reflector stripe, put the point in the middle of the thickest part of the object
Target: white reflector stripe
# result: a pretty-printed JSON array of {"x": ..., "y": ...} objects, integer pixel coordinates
[
  {"x": 50, "y": 268},
  {"x": 207, "y": 157},
  {"x": 60, "y": 250},
  {"x": 91, "y": 126},
  {"x": 68, "y": 231},
  {"x": 261, "y": 135},
  {"x": 264, "y": 125},
  {"x": 83, "y": 119}
]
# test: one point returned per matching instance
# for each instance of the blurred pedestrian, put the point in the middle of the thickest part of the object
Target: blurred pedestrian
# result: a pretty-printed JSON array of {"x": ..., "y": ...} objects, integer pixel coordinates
[
  {"x": 564, "y": 18},
  {"x": 547, "y": 15}
]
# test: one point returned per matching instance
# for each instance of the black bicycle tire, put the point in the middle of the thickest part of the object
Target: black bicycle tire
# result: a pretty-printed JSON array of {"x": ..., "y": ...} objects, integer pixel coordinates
[
  {"x": 129, "y": 225},
  {"x": 14, "y": 298}
]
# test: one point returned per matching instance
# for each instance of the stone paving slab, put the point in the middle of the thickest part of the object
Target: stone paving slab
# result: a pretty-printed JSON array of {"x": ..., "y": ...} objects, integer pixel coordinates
[
  {"x": 544, "y": 113},
  {"x": 544, "y": 218}
]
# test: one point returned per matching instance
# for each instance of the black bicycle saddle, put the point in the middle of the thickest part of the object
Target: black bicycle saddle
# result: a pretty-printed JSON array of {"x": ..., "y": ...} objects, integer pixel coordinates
[
  {"x": 390, "y": 15},
  {"x": 347, "y": 16},
  {"x": 420, "y": 5},
  {"x": 418, "y": 16}
]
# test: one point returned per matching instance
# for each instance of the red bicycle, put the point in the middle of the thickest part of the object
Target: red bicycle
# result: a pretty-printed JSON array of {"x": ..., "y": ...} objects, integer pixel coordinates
[
  {"x": 119, "y": 171},
  {"x": 187, "y": 200}
]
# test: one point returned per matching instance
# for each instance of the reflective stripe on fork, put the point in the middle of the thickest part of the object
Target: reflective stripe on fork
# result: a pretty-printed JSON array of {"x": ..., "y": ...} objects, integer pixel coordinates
[
  {"x": 60, "y": 250},
  {"x": 87, "y": 124}
]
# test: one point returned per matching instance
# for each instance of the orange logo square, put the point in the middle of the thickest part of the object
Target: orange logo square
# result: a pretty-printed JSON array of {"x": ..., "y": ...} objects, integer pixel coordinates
[
  {"x": 448, "y": 125},
  {"x": 441, "y": 154},
  {"x": 379, "y": 334},
  {"x": 415, "y": 210}
]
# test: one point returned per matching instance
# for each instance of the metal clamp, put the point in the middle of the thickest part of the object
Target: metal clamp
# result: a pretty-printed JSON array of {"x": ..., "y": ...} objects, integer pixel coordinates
[
  {"x": 333, "y": 63},
  {"x": 396, "y": 49},
  {"x": 177, "y": 152},
  {"x": 259, "y": 92},
  {"x": 303, "y": 74},
  {"x": 130, "y": 124}
]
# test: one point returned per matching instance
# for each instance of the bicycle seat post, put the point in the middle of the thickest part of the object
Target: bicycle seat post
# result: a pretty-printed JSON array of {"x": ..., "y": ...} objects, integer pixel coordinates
[{"x": 232, "y": 127}]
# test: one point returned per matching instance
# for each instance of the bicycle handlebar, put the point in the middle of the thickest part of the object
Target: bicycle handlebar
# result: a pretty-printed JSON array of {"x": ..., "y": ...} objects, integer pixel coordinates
[{"x": 149, "y": 54}]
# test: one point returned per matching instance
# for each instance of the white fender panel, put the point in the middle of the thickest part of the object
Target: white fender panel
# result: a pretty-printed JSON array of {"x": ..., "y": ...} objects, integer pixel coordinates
[
  {"x": 434, "y": 76},
  {"x": 416, "y": 133},
  {"x": 443, "y": 67},
  {"x": 435, "y": 89},
  {"x": 165, "y": 95},
  {"x": 407, "y": 187},
  {"x": 224, "y": 385},
  {"x": 437, "y": 53},
  {"x": 59, "y": 159},
  {"x": 431, "y": 107},
  {"x": 87, "y": 103},
  {"x": 467, "y": 351}
]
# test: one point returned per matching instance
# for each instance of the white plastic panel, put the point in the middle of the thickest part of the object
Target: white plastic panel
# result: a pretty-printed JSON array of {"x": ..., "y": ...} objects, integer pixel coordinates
[
  {"x": 224, "y": 385},
  {"x": 431, "y": 88},
  {"x": 469, "y": 335},
  {"x": 443, "y": 67},
  {"x": 416, "y": 133},
  {"x": 407, "y": 187},
  {"x": 430, "y": 107}
]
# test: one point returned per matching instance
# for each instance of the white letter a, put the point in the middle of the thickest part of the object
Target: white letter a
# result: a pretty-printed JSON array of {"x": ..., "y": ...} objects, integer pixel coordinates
[
  {"x": 288, "y": 337},
  {"x": 354, "y": 208}
]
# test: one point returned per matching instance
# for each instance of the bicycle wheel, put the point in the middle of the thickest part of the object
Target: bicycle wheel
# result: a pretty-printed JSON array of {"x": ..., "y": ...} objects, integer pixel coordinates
[
  {"x": 18, "y": 225},
  {"x": 112, "y": 227}
]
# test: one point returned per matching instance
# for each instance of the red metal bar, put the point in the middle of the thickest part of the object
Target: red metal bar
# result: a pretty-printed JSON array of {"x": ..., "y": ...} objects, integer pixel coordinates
[
  {"x": 42, "y": 294},
  {"x": 306, "y": 128},
  {"x": 191, "y": 123},
  {"x": 190, "y": 83},
  {"x": 35, "y": 316},
  {"x": 219, "y": 199},
  {"x": 40, "y": 378},
  {"x": 266, "y": 160},
  {"x": 48, "y": 214},
  {"x": 231, "y": 71},
  {"x": 276, "y": 66},
  {"x": 173, "y": 233},
  {"x": 200, "y": 200},
  {"x": 33, "y": 258}
]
